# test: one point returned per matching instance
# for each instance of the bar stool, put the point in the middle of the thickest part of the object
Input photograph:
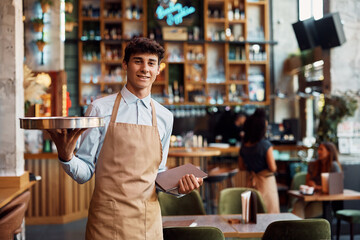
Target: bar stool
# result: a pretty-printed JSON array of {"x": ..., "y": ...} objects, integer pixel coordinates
[
  {"x": 230, "y": 179},
  {"x": 12, "y": 215},
  {"x": 215, "y": 176},
  {"x": 349, "y": 215}
]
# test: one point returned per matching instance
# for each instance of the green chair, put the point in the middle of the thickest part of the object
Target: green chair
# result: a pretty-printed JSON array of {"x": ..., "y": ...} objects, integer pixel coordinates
[
  {"x": 230, "y": 201},
  {"x": 312, "y": 209},
  {"x": 298, "y": 179},
  {"x": 314, "y": 229},
  {"x": 193, "y": 233},
  {"x": 190, "y": 204},
  {"x": 349, "y": 215}
]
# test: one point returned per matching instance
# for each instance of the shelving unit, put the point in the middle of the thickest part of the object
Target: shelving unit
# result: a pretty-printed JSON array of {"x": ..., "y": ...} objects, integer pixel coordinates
[
  {"x": 228, "y": 66},
  {"x": 241, "y": 28},
  {"x": 104, "y": 28}
]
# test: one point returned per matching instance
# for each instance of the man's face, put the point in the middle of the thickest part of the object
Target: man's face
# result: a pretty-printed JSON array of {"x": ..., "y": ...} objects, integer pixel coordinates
[{"x": 142, "y": 70}]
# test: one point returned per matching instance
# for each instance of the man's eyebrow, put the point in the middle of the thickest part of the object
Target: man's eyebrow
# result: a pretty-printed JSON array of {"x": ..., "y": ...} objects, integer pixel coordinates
[{"x": 150, "y": 59}]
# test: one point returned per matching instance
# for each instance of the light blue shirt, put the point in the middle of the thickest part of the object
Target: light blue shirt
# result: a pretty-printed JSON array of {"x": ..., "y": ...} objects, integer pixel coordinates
[{"x": 131, "y": 110}]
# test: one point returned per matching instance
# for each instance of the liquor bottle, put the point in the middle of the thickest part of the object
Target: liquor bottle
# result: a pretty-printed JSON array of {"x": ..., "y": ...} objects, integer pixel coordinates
[
  {"x": 171, "y": 95},
  {"x": 176, "y": 92},
  {"x": 230, "y": 12}
]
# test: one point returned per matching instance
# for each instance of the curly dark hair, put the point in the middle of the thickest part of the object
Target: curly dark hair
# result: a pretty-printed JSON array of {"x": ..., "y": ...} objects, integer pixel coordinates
[
  {"x": 143, "y": 45},
  {"x": 255, "y": 126}
]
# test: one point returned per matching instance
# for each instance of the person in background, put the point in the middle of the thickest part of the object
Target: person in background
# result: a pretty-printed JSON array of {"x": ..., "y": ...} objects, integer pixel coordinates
[
  {"x": 256, "y": 157},
  {"x": 231, "y": 127},
  {"x": 126, "y": 153},
  {"x": 327, "y": 161},
  {"x": 239, "y": 122}
]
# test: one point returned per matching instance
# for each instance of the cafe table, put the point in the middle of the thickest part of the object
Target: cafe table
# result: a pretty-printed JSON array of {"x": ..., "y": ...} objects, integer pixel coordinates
[
  {"x": 326, "y": 199},
  {"x": 229, "y": 224}
]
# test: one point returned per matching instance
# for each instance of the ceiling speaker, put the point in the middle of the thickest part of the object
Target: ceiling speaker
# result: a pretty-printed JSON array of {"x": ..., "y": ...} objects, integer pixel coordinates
[
  {"x": 330, "y": 30},
  {"x": 306, "y": 34}
]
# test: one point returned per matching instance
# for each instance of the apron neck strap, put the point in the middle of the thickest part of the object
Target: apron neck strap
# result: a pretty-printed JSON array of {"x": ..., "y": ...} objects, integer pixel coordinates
[
  {"x": 116, "y": 108},
  {"x": 154, "y": 122}
]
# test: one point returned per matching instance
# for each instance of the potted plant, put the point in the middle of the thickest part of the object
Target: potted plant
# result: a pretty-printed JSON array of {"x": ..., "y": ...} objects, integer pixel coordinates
[
  {"x": 336, "y": 108},
  {"x": 45, "y": 5},
  {"x": 40, "y": 44},
  {"x": 70, "y": 23},
  {"x": 38, "y": 24},
  {"x": 69, "y": 7}
]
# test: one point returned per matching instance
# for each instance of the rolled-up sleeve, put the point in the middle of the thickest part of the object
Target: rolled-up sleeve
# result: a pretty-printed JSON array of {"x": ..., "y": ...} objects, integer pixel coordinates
[{"x": 82, "y": 165}]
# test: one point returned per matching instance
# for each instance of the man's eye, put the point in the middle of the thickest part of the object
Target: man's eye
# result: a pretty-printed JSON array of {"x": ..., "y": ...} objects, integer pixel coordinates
[
  {"x": 137, "y": 61},
  {"x": 152, "y": 64}
]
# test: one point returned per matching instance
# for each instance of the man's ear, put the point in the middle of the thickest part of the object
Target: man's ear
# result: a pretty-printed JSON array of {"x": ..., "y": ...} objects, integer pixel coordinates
[
  {"x": 124, "y": 65},
  {"x": 158, "y": 71}
]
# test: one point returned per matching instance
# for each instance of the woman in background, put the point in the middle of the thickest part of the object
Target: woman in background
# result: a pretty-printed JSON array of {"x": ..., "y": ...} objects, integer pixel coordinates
[
  {"x": 327, "y": 161},
  {"x": 256, "y": 156}
]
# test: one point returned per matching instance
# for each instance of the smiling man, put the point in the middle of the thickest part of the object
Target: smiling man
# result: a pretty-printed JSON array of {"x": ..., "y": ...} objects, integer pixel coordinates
[{"x": 126, "y": 154}]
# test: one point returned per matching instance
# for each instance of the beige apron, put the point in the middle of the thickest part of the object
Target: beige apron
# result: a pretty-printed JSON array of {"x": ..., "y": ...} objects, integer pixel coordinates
[
  {"x": 124, "y": 203},
  {"x": 265, "y": 183}
]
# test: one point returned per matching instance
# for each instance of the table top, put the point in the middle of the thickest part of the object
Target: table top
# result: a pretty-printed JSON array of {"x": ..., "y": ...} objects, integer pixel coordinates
[
  {"x": 193, "y": 152},
  {"x": 8, "y": 194},
  {"x": 346, "y": 195},
  {"x": 229, "y": 230}
]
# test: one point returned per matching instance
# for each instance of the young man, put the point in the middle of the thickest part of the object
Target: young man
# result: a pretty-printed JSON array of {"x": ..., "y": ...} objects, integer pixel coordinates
[{"x": 126, "y": 154}]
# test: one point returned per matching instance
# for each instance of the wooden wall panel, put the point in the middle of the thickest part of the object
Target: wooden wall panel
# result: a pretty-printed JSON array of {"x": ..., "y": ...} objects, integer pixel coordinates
[{"x": 57, "y": 198}]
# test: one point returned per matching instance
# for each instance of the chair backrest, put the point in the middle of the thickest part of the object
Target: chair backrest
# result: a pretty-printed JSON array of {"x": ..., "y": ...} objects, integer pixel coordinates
[
  {"x": 11, "y": 220},
  {"x": 230, "y": 201},
  {"x": 193, "y": 233},
  {"x": 190, "y": 204},
  {"x": 12, "y": 214},
  {"x": 314, "y": 229},
  {"x": 298, "y": 179}
]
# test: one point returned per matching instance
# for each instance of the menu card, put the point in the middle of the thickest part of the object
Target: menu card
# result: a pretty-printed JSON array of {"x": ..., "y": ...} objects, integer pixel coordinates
[
  {"x": 249, "y": 206},
  {"x": 169, "y": 180}
]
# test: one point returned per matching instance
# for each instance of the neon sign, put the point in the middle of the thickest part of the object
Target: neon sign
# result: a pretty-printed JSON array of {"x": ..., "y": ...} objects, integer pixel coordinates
[{"x": 174, "y": 13}]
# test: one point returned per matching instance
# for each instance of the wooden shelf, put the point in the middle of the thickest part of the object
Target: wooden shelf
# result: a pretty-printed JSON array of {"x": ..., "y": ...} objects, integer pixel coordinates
[
  {"x": 104, "y": 25},
  {"x": 193, "y": 69},
  {"x": 112, "y": 20},
  {"x": 237, "y": 61},
  {"x": 257, "y": 3},
  {"x": 88, "y": 19}
]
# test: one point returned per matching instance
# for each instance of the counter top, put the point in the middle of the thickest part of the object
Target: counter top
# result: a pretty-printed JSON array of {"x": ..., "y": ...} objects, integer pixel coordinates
[{"x": 8, "y": 194}]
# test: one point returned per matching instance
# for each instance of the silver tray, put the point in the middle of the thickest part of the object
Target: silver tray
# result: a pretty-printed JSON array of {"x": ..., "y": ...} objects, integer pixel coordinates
[{"x": 61, "y": 122}]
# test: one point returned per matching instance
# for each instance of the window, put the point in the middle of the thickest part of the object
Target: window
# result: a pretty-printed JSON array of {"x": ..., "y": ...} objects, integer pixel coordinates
[{"x": 310, "y": 8}]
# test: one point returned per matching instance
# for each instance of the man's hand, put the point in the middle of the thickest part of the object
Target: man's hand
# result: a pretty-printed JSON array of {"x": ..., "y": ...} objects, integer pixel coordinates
[
  {"x": 65, "y": 141},
  {"x": 188, "y": 183}
]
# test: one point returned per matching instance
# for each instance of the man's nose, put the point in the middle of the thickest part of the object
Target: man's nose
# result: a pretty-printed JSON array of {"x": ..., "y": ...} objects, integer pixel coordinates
[{"x": 144, "y": 68}]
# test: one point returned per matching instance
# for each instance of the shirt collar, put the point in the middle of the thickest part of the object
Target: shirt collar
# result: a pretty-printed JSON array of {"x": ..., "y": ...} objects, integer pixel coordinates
[{"x": 130, "y": 98}]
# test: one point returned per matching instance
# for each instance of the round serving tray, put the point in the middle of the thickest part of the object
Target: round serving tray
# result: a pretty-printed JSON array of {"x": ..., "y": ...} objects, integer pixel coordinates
[{"x": 60, "y": 122}]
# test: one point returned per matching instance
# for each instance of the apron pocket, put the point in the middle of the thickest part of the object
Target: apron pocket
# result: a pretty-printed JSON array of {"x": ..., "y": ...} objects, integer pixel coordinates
[
  {"x": 103, "y": 220},
  {"x": 153, "y": 220}
]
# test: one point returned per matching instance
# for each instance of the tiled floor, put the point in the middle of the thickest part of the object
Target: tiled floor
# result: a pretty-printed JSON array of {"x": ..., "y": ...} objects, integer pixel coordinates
[{"x": 75, "y": 231}]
